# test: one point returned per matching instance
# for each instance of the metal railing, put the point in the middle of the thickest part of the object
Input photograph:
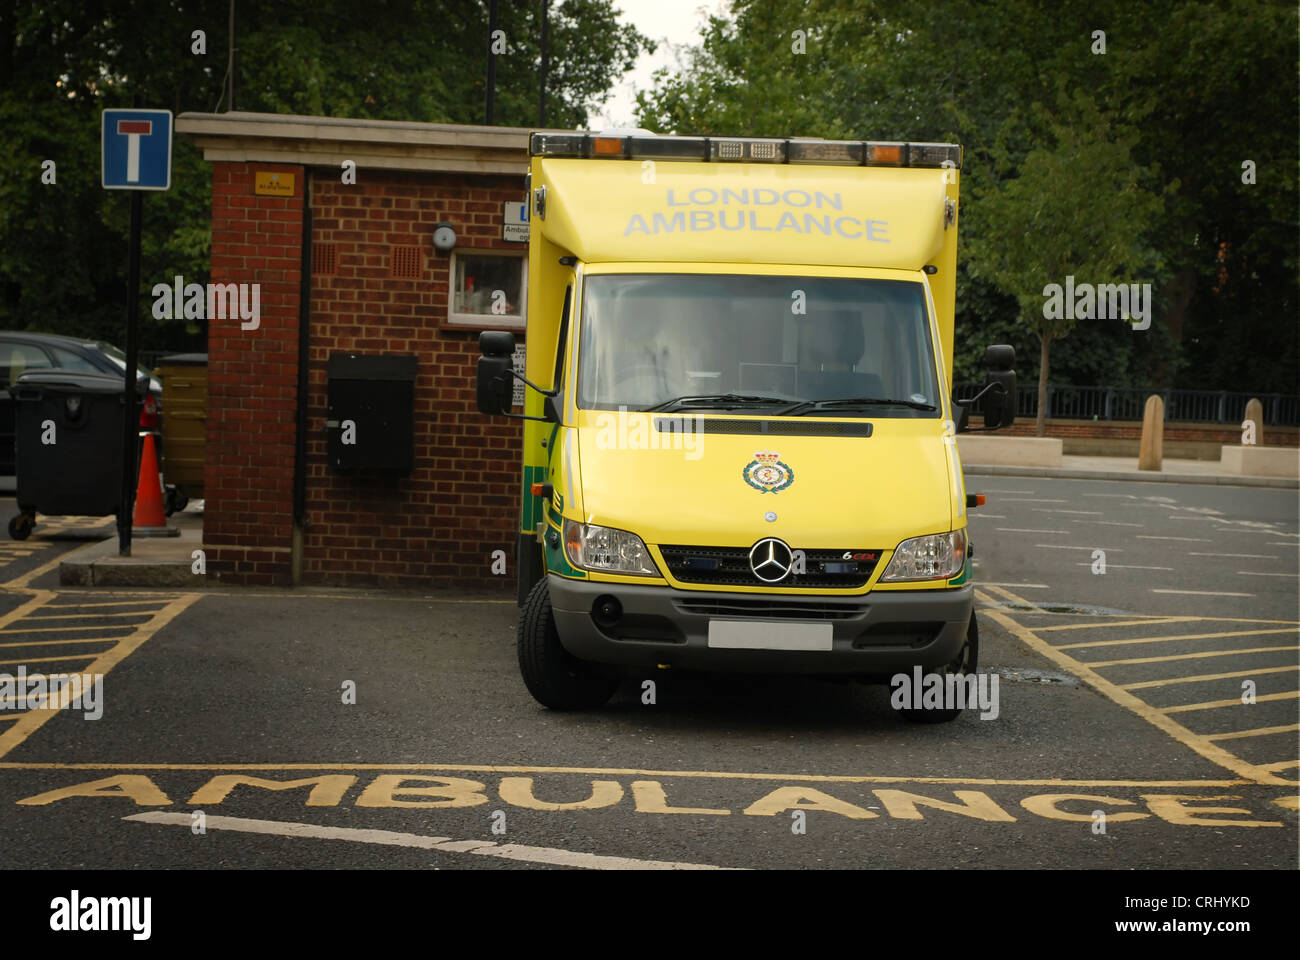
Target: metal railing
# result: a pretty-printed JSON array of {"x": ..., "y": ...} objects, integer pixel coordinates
[{"x": 1128, "y": 403}]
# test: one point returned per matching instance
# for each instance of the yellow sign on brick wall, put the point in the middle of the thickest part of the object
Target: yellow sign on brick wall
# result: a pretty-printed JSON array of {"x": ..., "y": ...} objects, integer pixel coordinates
[{"x": 272, "y": 184}]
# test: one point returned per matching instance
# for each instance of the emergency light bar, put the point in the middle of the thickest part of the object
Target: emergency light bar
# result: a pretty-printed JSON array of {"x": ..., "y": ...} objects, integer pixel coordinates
[{"x": 858, "y": 153}]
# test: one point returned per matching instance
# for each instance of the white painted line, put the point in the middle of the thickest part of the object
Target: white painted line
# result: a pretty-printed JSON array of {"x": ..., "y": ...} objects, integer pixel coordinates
[
  {"x": 1058, "y": 546},
  {"x": 1108, "y": 523},
  {"x": 1024, "y": 530},
  {"x": 1032, "y": 500},
  {"x": 1027, "y": 586},
  {"x": 1122, "y": 566},
  {"x": 1128, "y": 496},
  {"x": 1085, "y": 513},
  {"x": 1206, "y": 593},
  {"x": 1281, "y": 543},
  {"x": 1141, "y": 536},
  {"x": 482, "y": 848},
  {"x": 1248, "y": 556},
  {"x": 1252, "y": 573}
]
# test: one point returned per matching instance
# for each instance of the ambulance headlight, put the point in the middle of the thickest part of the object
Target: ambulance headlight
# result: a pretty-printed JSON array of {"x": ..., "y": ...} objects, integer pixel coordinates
[
  {"x": 935, "y": 557},
  {"x": 606, "y": 550}
]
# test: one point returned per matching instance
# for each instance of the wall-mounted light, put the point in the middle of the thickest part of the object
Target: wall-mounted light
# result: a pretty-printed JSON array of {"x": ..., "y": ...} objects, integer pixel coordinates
[{"x": 444, "y": 238}]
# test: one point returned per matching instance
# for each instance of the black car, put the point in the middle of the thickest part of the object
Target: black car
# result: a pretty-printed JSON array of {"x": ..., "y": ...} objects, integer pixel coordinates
[{"x": 21, "y": 351}]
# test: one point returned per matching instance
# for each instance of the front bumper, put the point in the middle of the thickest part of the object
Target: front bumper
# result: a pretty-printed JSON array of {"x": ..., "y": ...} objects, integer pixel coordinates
[{"x": 873, "y": 635}]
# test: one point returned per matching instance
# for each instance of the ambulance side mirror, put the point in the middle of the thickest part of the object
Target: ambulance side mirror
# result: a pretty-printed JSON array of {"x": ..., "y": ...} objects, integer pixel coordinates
[
  {"x": 1000, "y": 395},
  {"x": 495, "y": 387}
]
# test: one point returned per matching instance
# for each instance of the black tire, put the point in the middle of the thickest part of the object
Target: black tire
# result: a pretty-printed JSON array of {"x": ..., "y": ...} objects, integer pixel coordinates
[
  {"x": 20, "y": 527},
  {"x": 966, "y": 662},
  {"x": 554, "y": 677}
]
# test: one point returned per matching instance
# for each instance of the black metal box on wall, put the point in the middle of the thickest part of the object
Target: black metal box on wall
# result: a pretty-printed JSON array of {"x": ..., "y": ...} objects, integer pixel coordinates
[{"x": 371, "y": 420}]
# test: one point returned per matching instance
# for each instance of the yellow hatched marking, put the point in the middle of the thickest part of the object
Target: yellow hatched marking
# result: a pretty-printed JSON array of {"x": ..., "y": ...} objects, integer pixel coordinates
[
  {"x": 1117, "y": 623},
  {"x": 55, "y": 643},
  {"x": 1187, "y": 656},
  {"x": 1086, "y": 672},
  {"x": 1257, "y": 732},
  {"x": 1280, "y": 764},
  {"x": 1184, "y": 636},
  {"x": 1199, "y": 678},
  {"x": 83, "y": 616},
  {"x": 96, "y": 626},
  {"x": 33, "y": 720},
  {"x": 75, "y": 656},
  {"x": 1233, "y": 702}
]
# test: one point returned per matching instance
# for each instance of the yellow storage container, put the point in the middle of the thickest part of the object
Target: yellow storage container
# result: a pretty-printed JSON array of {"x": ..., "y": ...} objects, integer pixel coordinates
[{"x": 184, "y": 378}]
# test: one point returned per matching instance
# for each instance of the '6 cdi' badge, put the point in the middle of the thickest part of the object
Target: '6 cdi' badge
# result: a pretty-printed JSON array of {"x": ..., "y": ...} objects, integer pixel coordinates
[{"x": 767, "y": 473}]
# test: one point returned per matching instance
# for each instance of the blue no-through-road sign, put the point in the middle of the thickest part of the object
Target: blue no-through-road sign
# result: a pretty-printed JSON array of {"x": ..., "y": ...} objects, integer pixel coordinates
[{"x": 137, "y": 150}]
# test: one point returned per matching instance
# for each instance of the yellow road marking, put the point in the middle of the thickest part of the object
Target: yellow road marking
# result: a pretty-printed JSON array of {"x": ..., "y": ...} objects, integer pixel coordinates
[
  {"x": 83, "y": 616},
  {"x": 75, "y": 656},
  {"x": 627, "y": 772},
  {"x": 26, "y": 607},
  {"x": 1189, "y": 656},
  {"x": 1118, "y": 623},
  {"x": 21, "y": 583},
  {"x": 1205, "y": 676},
  {"x": 1014, "y": 598},
  {"x": 1280, "y": 764},
  {"x": 1123, "y": 698},
  {"x": 33, "y": 720},
  {"x": 52, "y": 643},
  {"x": 1257, "y": 732},
  {"x": 1233, "y": 702},
  {"x": 21, "y": 629},
  {"x": 1185, "y": 636},
  {"x": 107, "y": 603}
]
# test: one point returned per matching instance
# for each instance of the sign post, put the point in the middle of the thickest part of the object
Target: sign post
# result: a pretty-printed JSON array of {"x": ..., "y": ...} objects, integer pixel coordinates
[{"x": 136, "y": 156}]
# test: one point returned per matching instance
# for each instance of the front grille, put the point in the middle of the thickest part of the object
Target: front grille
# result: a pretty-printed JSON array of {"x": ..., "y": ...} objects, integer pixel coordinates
[
  {"x": 772, "y": 609},
  {"x": 729, "y": 567}
]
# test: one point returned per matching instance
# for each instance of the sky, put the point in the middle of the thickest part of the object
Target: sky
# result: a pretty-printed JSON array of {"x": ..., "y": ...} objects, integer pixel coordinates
[{"x": 678, "y": 22}]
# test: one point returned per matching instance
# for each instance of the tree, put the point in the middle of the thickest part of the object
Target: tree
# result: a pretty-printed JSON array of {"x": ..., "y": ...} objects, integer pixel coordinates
[
  {"x": 1077, "y": 207},
  {"x": 1197, "y": 88},
  {"x": 63, "y": 245}
]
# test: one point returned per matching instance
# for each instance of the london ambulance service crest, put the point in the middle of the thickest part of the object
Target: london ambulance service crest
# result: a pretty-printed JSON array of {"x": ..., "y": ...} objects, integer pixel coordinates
[{"x": 766, "y": 473}]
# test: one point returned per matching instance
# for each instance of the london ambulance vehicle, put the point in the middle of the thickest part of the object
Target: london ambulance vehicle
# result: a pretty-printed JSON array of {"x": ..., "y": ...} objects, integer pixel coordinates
[{"x": 740, "y": 449}]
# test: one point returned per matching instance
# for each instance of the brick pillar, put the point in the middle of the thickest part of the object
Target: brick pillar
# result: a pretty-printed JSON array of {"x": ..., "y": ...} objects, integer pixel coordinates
[{"x": 252, "y": 379}]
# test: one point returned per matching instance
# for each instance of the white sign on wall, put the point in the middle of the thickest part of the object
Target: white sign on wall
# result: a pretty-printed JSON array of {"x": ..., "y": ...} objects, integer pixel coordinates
[{"x": 514, "y": 221}]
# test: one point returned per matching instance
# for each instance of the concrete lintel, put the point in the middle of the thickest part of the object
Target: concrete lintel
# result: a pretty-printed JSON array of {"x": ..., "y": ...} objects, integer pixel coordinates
[{"x": 390, "y": 144}]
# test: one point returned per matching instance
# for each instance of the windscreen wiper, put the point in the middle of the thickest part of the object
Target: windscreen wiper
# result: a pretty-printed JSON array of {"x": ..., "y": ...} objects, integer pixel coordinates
[
  {"x": 809, "y": 406},
  {"x": 716, "y": 400}
]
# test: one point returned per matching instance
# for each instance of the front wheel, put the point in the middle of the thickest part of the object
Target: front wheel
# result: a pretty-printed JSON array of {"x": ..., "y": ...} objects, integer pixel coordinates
[
  {"x": 964, "y": 665},
  {"x": 554, "y": 677}
]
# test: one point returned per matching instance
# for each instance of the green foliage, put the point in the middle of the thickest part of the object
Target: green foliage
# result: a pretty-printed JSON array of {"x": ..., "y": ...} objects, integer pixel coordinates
[
  {"x": 1127, "y": 162},
  {"x": 63, "y": 247}
]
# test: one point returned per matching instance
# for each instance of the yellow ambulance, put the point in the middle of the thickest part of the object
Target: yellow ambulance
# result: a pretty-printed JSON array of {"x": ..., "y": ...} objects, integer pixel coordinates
[{"x": 740, "y": 452}]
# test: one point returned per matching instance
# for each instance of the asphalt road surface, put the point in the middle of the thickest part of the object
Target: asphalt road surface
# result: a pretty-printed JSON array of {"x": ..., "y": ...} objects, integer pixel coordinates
[{"x": 1146, "y": 718}]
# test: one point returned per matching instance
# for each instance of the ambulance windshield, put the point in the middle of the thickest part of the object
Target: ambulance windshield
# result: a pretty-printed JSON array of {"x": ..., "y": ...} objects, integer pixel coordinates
[{"x": 650, "y": 339}]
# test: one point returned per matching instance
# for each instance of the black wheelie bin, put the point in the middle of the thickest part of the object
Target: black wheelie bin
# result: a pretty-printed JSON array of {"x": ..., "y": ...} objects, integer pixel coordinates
[{"x": 67, "y": 445}]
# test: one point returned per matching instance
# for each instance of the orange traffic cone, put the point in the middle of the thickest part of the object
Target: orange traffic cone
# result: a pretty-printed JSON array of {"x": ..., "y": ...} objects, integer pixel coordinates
[{"x": 150, "y": 519}]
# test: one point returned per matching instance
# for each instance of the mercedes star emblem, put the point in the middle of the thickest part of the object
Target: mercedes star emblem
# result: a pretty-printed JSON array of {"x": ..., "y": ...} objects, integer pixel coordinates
[{"x": 771, "y": 560}]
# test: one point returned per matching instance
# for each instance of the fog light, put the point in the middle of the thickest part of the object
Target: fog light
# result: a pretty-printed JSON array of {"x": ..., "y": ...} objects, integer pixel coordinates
[{"x": 606, "y": 611}]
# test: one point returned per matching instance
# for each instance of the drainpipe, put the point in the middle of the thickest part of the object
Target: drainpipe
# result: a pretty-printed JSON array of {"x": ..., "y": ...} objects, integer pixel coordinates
[{"x": 300, "y": 430}]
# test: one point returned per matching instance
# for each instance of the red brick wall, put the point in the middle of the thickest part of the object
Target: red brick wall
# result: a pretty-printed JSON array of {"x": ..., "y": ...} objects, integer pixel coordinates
[
  {"x": 1132, "y": 430},
  {"x": 439, "y": 525},
  {"x": 252, "y": 380}
]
